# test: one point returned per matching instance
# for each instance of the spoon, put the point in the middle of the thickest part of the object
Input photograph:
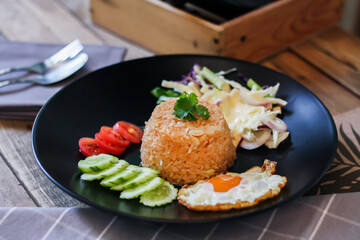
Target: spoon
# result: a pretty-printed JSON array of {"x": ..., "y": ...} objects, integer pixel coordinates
[{"x": 56, "y": 74}]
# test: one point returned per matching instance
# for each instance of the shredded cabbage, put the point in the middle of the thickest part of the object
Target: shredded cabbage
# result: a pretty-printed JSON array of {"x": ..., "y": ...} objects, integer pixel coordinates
[{"x": 247, "y": 111}]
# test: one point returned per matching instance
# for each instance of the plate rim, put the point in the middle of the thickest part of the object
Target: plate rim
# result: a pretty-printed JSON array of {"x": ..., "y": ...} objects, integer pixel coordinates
[{"x": 182, "y": 221}]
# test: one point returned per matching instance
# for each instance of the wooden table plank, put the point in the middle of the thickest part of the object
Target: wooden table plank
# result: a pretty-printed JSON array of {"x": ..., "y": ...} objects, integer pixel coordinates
[
  {"x": 57, "y": 22},
  {"x": 341, "y": 45},
  {"x": 337, "y": 54},
  {"x": 81, "y": 10},
  {"x": 42, "y": 21},
  {"x": 11, "y": 191},
  {"x": 16, "y": 150},
  {"x": 335, "y": 97}
]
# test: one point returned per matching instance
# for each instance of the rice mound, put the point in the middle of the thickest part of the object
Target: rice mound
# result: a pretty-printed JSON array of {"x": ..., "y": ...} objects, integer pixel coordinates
[{"x": 183, "y": 151}]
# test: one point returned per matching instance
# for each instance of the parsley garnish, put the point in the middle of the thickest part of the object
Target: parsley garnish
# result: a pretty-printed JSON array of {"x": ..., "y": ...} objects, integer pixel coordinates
[{"x": 187, "y": 107}]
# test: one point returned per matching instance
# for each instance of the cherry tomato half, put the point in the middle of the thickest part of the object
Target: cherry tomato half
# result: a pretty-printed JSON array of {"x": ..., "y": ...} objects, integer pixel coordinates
[
  {"x": 109, "y": 147},
  {"x": 89, "y": 147},
  {"x": 109, "y": 135},
  {"x": 128, "y": 131}
]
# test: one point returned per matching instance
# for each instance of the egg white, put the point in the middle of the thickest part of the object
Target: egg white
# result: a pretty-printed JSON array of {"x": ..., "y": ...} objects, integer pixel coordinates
[{"x": 254, "y": 185}]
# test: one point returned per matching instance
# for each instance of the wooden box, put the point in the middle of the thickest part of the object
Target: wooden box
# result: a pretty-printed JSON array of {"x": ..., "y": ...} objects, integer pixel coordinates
[{"x": 165, "y": 29}]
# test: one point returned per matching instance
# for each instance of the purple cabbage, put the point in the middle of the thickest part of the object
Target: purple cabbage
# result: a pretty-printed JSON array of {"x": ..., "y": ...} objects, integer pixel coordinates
[
  {"x": 242, "y": 77},
  {"x": 191, "y": 77}
]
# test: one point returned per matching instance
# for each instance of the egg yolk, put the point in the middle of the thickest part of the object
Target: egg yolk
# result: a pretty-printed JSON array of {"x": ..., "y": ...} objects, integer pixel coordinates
[{"x": 224, "y": 183}]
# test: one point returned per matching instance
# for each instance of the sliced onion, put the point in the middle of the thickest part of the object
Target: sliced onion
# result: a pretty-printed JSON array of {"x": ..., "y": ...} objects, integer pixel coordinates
[
  {"x": 281, "y": 137},
  {"x": 261, "y": 137},
  {"x": 268, "y": 105},
  {"x": 249, "y": 99},
  {"x": 277, "y": 124},
  {"x": 257, "y": 98}
]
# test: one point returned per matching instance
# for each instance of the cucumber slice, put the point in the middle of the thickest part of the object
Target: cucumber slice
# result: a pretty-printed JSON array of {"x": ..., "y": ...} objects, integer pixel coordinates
[
  {"x": 141, "y": 189},
  {"x": 129, "y": 173},
  {"x": 97, "y": 163},
  {"x": 145, "y": 176},
  {"x": 162, "y": 195},
  {"x": 217, "y": 81},
  {"x": 252, "y": 83},
  {"x": 117, "y": 168}
]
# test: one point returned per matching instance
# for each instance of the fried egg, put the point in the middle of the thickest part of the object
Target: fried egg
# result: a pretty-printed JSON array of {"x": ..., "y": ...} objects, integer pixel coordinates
[{"x": 233, "y": 190}]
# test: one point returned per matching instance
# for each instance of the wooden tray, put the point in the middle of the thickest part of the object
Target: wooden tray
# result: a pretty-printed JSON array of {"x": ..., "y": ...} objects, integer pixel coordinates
[{"x": 165, "y": 29}]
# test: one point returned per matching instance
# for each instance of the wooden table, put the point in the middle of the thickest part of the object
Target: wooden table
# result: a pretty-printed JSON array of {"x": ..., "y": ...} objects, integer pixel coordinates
[{"x": 328, "y": 65}]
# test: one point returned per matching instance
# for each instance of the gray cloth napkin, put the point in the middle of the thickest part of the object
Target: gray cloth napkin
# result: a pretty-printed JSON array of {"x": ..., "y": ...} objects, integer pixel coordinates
[
  {"x": 344, "y": 172},
  {"x": 335, "y": 216},
  {"x": 23, "y": 101}
]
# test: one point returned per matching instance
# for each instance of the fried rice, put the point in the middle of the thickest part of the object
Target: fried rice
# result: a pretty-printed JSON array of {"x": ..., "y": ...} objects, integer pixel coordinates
[{"x": 183, "y": 151}]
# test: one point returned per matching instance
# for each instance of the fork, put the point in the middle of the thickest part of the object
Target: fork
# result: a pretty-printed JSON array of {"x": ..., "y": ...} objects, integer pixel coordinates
[
  {"x": 64, "y": 70},
  {"x": 69, "y": 51}
]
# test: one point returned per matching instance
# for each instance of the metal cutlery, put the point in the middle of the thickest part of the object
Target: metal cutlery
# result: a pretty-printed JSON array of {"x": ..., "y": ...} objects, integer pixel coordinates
[
  {"x": 69, "y": 51},
  {"x": 64, "y": 70}
]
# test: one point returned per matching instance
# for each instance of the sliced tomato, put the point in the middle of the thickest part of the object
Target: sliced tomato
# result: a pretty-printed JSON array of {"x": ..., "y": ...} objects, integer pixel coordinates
[
  {"x": 128, "y": 131},
  {"x": 109, "y": 147},
  {"x": 89, "y": 147},
  {"x": 109, "y": 135}
]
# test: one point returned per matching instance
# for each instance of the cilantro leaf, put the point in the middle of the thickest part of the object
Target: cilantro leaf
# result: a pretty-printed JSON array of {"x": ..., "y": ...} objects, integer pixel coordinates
[
  {"x": 191, "y": 117},
  {"x": 186, "y": 107},
  {"x": 202, "y": 111},
  {"x": 159, "y": 93}
]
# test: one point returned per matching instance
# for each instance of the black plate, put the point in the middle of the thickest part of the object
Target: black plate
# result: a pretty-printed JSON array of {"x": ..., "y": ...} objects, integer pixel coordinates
[{"x": 122, "y": 92}]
